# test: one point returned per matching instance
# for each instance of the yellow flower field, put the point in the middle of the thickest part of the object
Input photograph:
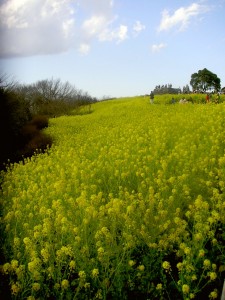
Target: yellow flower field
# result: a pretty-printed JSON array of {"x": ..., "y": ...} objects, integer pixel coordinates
[{"x": 127, "y": 204}]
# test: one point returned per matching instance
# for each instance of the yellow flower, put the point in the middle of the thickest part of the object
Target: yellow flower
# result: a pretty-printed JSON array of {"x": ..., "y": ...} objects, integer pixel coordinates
[
  {"x": 72, "y": 265},
  {"x": 187, "y": 250},
  {"x": 20, "y": 271},
  {"x": 177, "y": 220},
  {"x": 6, "y": 268},
  {"x": 159, "y": 286},
  {"x": 65, "y": 284},
  {"x": 166, "y": 265},
  {"x": 36, "y": 286},
  {"x": 67, "y": 250},
  {"x": 36, "y": 275},
  {"x": 30, "y": 298},
  {"x": 95, "y": 273},
  {"x": 105, "y": 230},
  {"x": 141, "y": 268},
  {"x": 131, "y": 263},
  {"x": 14, "y": 264},
  {"x": 193, "y": 277},
  {"x": 37, "y": 234},
  {"x": 45, "y": 254},
  {"x": 16, "y": 241},
  {"x": 179, "y": 266},
  {"x": 206, "y": 263},
  {"x": 56, "y": 286},
  {"x": 188, "y": 214},
  {"x": 27, "y": 241},
  {"x": 185, "y": 288},
  {"x": 212, "y": 275},
  {"x": 213, "y": 294},
  {"x": 100, "y": 250},
  {"x": 201, "y": 253},
  {"x": 34, "y": 264},
  {"x": 198, "y": 236},
  {"x": 183, "y": 246},
  {"x": 82, "y": 274},
  {"x": 78, "y": 239},
  {"x": 15, "y": 288},
  {"x": 214, "y": 241},
  {"x": 87, "y": 285},
  {"x": 50, "y": 271},
  {"x": 98, "y": 295}
]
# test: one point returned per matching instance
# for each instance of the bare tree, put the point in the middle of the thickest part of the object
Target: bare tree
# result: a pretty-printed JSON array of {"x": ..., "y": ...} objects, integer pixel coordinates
[
  {"x": 8, "y": 82},
  {"x": 49, "y": 96},
  {"x": 54, "y": 89}
]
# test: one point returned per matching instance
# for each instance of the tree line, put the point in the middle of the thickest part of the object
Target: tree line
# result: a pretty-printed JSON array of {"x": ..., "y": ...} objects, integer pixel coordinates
[
  {"x": 25, "y": 110},
  {"x": 201, "y": 82},
  {"x": 166, "y": 89}
]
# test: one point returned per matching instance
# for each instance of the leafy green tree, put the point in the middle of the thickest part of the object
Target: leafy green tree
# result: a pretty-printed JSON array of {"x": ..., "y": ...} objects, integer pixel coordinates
[{"x": 205, "y": 80}]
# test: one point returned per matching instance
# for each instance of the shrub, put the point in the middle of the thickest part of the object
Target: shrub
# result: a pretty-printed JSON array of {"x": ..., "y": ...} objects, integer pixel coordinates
[
  {"x": 14, "y": 114},
  {"x": 40, "y": 122},
  {"x": 28, "y": 132},
  {"x": 57, "y": 108},
  {"x": 39, "y": 142},
  {"x": 19, "y": 133}
]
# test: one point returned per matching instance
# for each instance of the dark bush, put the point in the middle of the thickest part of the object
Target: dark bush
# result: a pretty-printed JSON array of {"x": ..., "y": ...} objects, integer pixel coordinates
[
  {"x": 39, "y": 142},
  {"x": 40, "y": 122},
  {"x": 20, "y": 135},
  {"x": 56, "y": 108},
  {"x": 28, "y": 132},
  {"x": 14, "y": 114}
]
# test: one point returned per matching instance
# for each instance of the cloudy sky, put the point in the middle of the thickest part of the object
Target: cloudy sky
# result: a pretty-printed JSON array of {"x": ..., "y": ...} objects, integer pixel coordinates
[{"x": 112, "y": 47}]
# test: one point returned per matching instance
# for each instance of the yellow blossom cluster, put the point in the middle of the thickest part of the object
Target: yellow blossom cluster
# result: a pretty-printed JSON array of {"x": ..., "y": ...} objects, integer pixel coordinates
[{"x": 122, "y": 189}]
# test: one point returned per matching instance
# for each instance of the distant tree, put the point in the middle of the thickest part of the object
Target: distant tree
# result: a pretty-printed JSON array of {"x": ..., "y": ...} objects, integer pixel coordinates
[
  {"x": 204, "y": 81},
  {"x": 53, "y": 97},
  {"x": 223, "y": 90},
  {"x": 166, "y": 89},
  {"x": 7, "y": 82},
  {"x": 186, "y": 89},
  {"x": 46, "y": 91}
]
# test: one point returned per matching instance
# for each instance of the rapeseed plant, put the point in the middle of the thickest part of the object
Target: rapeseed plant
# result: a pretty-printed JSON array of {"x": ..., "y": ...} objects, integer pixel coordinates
[{"x": 122, "y": 205}]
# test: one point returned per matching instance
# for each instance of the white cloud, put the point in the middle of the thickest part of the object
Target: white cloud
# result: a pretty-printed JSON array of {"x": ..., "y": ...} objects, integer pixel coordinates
[
  {"x": 157, "y": 47},
  {"x": 96, "y": 6},
  {"x": 122, "y": 33},
  {"x": 138, "y": 27},
  {"x": 94, "y": 25},
  {"x": 68, "y": 27},
  {"x": 181, "y": 17},
  {"x": 119, "y": 34},
  {"x": 39, "y": 27},
  {"x": 11, "y": 13},
  {"x": 35, "y": 27},
  {"x": 84, "y": 49}
]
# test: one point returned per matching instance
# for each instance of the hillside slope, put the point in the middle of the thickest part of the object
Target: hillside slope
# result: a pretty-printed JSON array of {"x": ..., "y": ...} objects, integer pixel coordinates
[{"x": 127, "y": 204}]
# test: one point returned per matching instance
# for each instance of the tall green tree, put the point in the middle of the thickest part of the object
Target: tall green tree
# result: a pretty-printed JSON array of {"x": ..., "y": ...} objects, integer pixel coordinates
[{"x": 204, "y": 81}]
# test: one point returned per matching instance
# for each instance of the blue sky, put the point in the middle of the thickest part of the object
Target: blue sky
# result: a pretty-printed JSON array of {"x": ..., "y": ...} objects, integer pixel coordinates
[{"x": 112, "y": 48}]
